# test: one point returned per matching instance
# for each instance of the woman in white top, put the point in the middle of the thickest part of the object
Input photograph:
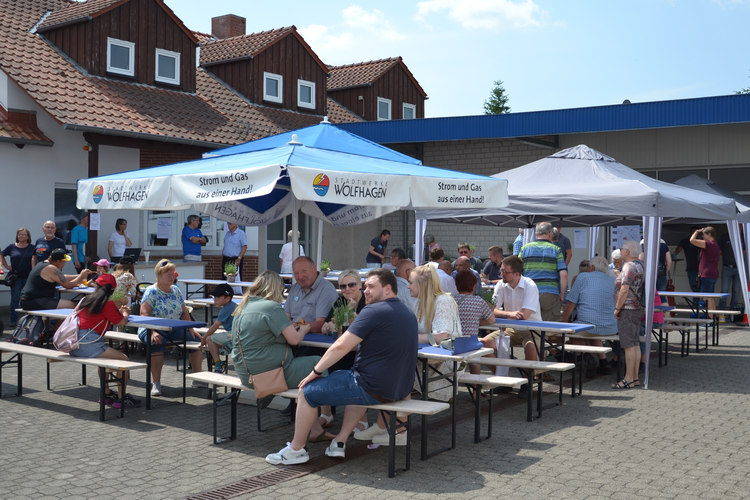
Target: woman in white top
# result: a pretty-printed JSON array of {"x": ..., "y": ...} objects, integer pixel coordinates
[
  {"x": 119, "y": 241},
  {"x": 285, "y": 257}
]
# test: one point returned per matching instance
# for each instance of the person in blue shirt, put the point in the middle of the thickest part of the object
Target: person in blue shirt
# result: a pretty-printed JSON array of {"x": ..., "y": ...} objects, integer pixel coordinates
[
  {"x": 192, "y": 239},
  {"x": 221, "y": 342},
  {"x": 79, "y": 236}
]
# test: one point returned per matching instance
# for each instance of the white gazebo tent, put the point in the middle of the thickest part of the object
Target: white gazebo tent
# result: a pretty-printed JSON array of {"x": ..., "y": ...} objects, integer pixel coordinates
[{"x": 581, "y": 187}]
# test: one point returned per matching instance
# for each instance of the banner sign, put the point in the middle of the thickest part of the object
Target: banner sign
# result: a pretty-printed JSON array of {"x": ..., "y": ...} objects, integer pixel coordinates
[
  {"x": 239, "y": 213},
  {"x": 429, "y": 192},
  {"x": 123, "y": 193},
  {"x": 214, "y": 187},
  {"x": 349, "y": 215},
  {"x": 349, "y": 188}
]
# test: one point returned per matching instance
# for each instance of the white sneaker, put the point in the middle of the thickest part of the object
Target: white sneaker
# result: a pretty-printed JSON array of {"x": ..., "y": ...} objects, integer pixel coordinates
[
  {"x": 385, "y": 440},
  {"x": 336, "y": 449},
  {"x": 369, "y": 433},
  {"x": 199, "y": 383},
  {"x": 156, "y": 389},
  {"x": 288, "y": 456}
]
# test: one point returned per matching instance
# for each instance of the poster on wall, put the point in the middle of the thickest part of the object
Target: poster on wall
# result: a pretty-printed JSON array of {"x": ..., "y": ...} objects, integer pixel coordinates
[{"x": 621, "y": 234}]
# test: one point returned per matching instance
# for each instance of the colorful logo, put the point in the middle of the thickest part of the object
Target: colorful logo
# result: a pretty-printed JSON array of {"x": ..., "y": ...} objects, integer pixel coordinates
[
  {"x": 279, "y": 209},
  {"x": 321, "y": 184},
  {"x": 98, "y": 193}
]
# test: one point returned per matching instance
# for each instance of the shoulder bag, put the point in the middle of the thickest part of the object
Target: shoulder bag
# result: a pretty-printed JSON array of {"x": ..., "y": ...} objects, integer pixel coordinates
[
  {"x": 12, "y": 276},
  {"x": 266, "y": 383}
]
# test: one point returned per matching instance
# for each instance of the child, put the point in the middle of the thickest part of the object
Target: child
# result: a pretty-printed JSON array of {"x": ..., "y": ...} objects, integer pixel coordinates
[{"x": 223, "y": 295}]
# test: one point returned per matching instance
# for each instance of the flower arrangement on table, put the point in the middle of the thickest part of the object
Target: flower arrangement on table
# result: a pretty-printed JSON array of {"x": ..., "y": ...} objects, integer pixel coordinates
[
  {"x": 325, "y": 265},
  {"x": 343, "y": 315},
  {"x": 230, "y": 271}
]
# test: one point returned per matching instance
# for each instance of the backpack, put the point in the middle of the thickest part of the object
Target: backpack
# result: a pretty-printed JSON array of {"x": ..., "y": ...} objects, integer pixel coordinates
[
  {"x": 30, "y": 330},
  {"x": 66, "y": 336}
]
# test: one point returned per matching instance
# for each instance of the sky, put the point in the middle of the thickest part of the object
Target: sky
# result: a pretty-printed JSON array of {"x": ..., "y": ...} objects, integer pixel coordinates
[{"x": 549, "y": 54}]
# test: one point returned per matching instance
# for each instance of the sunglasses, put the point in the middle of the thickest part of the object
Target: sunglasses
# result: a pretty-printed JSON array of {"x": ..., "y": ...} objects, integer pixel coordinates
[
  {"x": 166, "y": 262},
  {"x": 350, "y": 285}
]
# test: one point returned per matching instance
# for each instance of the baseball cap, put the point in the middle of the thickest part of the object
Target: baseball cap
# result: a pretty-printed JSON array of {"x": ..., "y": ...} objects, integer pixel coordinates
[
  {"x": 107, "y": 279},
  {"x": 102, "y": 263},
  {"x": 59, "y": 254},
  {"x": 223, "y": 290}
]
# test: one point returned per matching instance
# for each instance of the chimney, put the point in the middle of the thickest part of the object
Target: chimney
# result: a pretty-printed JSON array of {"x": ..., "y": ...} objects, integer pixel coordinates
[{"x": 227, "y": 26}]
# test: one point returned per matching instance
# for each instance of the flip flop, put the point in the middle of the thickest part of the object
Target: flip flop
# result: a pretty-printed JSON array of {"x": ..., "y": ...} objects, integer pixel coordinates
[{"x": 328, "y": 419}]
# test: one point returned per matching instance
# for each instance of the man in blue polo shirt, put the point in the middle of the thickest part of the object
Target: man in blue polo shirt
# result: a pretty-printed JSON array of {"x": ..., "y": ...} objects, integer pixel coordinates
[
  {"x": 192, "y": 239},
  {"x": 386, "y": 333}
]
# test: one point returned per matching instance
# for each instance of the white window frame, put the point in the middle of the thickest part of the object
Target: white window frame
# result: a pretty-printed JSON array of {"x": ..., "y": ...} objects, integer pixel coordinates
[
  {"x": 412, "y": 107},
  {"x": 280, "y": 80},
  {"x": 300, "y": 102},
  {"x": 121, "y": 43},
  {"x": 176, "y": 56},
  {"x": 390, "y": 108}
]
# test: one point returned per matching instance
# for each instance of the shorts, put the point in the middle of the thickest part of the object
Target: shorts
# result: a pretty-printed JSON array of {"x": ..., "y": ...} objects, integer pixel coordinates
[
  {"x": 191, "y": 258},
  {"x": 629, "y": 326},
  {"x": 173, "y": 335},
  {"x": 221, "y": 338},
  {"x": 90, "y": 344},
  {"x": 519, "y": 337},
  {"x": 339, "y": 388},
  {"x": 708, "y": 285},
  {"x": 39, "y": 304},
  {"x": 551, "y": 306}
]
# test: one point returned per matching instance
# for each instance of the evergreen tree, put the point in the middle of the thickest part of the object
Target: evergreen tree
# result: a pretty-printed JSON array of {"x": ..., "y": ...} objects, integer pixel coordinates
[{"x": 497, "y": 104}]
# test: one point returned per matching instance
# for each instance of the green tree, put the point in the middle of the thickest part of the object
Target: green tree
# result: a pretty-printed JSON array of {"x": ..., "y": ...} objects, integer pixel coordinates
[
  {"x": 497, "y": 104},
  {"x": 743, "y": 91}
]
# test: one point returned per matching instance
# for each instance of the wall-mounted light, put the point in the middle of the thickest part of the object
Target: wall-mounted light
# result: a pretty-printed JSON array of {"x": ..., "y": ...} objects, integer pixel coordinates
[{"x": 87, "y": 147}]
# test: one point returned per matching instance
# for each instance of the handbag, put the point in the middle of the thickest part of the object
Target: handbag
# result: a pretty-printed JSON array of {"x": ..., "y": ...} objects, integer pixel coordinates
[
  {"x": 698, "y": 282},
  {"x": 10, "y": 278},
  {"x": 30, "y": 330},
  {"x": 266, "y": 383}
]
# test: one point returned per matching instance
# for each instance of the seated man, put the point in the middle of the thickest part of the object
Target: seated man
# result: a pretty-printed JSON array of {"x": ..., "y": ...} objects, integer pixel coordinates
[
  {"x": 464, "y": 264},
  {"x": 518, "y": 297},
  {"x": 39, "y": 292},
  {"x": 311, "y": 297},
  {"x": 592, "y": 295},
  {"x": 397, "y": 255},
  {"x": 464, "y": 250},
  {"x": 491, "y": 271},
  {"x": 383, "y": 371},
  {"x": 444, "y": 271}
]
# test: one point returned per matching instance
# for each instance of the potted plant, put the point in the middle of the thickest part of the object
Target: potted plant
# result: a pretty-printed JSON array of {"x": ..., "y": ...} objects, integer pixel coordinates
[
  {"x": 230, "y": 271},
  {"x": 343, "y": 315},
  {"x": 325, "y": 266},
  {"x": 487, "y": 294},
  {"x": 510, "y": 248}
]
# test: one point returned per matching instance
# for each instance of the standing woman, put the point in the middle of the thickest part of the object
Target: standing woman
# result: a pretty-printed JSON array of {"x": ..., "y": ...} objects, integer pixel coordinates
[
  {"x": 164, "y": 300},
  {"x": 119, "y": 241},
  {"x": 97, "y": 312},
  {"x": 629, "y": 306},
  {"x": 20, "y": 254},
  {"x": 708, "y": 265}
]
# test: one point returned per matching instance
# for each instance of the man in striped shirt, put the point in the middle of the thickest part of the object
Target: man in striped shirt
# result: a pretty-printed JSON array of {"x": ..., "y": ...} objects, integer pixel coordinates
[{"x": 544, "y": 263}]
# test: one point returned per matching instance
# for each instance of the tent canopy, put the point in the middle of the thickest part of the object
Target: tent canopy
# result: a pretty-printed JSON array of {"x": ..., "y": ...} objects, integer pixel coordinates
[
  {"x": 702, "y": 184},
  {"x": 260, "y": 187},
  {"x": 581, "y": 187}
]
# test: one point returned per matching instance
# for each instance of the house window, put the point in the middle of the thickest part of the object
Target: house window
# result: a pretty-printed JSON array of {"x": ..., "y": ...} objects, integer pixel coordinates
[
  {"x": 384, "y": 109},
  {"x": 120, "y": 57},
  {"x": 167, "y": 66},
  {"x": 163, "y": 228},
  {"x": 305, "y": 94},
  {"x": 273, "y": 86},
  {"x": 410, "y": 111}
]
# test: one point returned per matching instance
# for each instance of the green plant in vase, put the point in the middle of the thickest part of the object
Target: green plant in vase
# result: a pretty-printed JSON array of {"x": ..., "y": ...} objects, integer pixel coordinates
[
  {"x": 230, "y": 271},
  {"x": 487, "y": 295},
  {"x": 325, "y": 265},
  {"x": 343, "y": 315}
]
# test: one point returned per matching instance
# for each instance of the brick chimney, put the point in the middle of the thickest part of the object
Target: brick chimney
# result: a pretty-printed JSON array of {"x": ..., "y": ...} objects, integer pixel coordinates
[{"x": 227, "y": 26}]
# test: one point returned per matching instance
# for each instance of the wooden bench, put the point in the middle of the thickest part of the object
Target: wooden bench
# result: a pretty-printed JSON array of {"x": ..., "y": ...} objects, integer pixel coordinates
[
  {"x": 579, "y": 351},
  {"x": 107, "y": 367},
  {"x": 477, "y": 383},
  {"x": 716, "y": 325},
  {"x": 408, "y": 406},
  {"x": 530, "y": 367},
  {"x": 687, "y": 323}
]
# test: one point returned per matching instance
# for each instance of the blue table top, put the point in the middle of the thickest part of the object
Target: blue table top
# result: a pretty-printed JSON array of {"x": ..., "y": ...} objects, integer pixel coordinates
[
  {"x": 542, "y": 325},
  {"x": 155, "y": 323},
  {"x": 319, "y": 337}
]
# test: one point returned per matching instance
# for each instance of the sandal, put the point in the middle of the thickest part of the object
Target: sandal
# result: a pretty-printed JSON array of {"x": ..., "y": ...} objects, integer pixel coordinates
[
  {"x": 323, "y": 437},
  {"x": 623, "y": 384},
  {"x": 365, "y": 425},
  {"x": 328, "y": 419},
  {"x": 635, "y": 383}
]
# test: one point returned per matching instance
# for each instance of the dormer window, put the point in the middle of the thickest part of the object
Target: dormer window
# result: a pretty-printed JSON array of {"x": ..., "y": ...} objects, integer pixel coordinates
[
  {"x": 120, "y": 57},
  {"x": 305, "y": 94},
  {"x": 384, "y": 108},
  {"x": 273, "y": 86},
  {"x": 410, "y": 111},
  {"x": 167, "y": 66}
]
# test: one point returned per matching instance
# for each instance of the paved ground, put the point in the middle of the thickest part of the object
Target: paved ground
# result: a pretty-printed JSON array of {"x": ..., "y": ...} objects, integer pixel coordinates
[{"x": 685, "y": 437}]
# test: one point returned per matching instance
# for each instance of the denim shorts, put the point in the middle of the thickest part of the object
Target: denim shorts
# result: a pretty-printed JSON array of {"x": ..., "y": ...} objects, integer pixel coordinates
[
  {"x": 708, "y": 285},
  {"x": 176, "y": 335},
  {"x": 339, "y": 388},
  {"x": 90, "y": 344}
]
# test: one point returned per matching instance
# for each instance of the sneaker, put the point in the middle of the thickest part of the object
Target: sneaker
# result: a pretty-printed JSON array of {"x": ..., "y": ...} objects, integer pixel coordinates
[
  {"x": 198, "y": 383},
  {"x": 219, "y": 367},
  {"x": 286, "y": 411},
  {"x": 129, "y": 402},
  {"x": 385, "y": 440},
  {"x": 369, "y": 433},
  {"x": 110, "y": 399},
  {"x": 156, "y": 389},
  {"x": 336, "y": 449},
  {"x": 288, "y": 456}
]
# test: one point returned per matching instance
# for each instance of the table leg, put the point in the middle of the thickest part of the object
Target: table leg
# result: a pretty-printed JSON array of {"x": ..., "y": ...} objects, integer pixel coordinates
[
  {"x": 184, "y": 366},
  {"x": 424, "y": 417},
  {"x": 148, "y": 372},
  {"x": 102, "y": 385},
  {"x": 453, "y": 404}
]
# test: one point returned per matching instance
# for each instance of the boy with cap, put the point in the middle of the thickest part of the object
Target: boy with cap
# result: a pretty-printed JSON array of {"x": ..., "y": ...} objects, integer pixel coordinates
[{"x": 223, "y": 295}]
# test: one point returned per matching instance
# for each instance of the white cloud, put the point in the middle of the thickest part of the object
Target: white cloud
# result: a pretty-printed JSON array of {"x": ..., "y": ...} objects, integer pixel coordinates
[
  {"x": 317, "y": 37},
  {"x": 374, "y": 22},
  {"x": 484, "y": 14}
]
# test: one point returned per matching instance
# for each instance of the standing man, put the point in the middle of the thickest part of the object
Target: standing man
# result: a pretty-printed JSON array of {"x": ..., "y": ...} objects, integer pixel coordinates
[
  {"x": 192, "y": 239},
  {"x": 543, "y": 262},
  {"x": 518, "y": 242},
  {"x": 491, "y": 272},
  {"x": 376, "y": 253},
  {"x": 386, "y": 333},
  {"x": 692, "y": 256},
  {"x": 616, "y": 265},
  {"x": 730, "y": 276},
  {"x": 563, "y": 242},
  {"x": 311, "y": 297},
  {"x": 79, "y": 236},
  {"x": 44, "y": 246},
  {"x": 235, "y": 246}
]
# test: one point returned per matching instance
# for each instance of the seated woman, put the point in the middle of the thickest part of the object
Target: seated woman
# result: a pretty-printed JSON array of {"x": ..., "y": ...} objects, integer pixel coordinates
[
  {"x": 164, "y": 300},
  {"x": 473, "y": 311},
  {"x": 261, "y": 336},
  {"x": 97, "y": 312}
]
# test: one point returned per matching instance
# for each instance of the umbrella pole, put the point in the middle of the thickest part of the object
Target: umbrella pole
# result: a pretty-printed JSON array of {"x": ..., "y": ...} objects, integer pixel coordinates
[
  {"x": 319, "y": 257},
  {"x": 295, "y": 233}
]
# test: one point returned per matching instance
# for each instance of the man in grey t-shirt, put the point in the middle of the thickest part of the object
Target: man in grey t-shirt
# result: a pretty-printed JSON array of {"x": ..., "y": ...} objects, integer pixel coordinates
[{"x": 311, "y": 297}]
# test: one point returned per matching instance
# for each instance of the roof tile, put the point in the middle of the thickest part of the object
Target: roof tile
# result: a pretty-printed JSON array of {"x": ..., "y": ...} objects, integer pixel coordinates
[
  {"x": 243, "y": 46},
  {"x": 339, "y": 114},
  {"x": 76, "y": 10},
  {"x": 364, "y": 73}
]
